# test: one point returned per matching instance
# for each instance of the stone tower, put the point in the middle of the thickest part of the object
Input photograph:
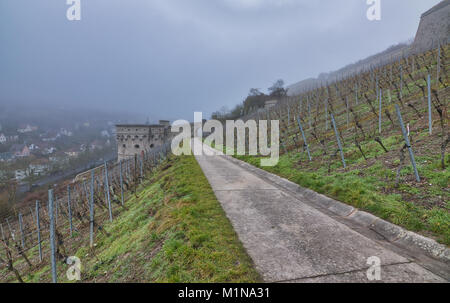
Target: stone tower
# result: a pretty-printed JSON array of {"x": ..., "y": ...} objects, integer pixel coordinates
[{"x": 135, "y": 139}]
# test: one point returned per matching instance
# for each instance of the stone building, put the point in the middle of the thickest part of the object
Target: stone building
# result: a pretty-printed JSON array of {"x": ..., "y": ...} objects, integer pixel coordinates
[
  {"x": 134, "y": 139},
  {"x": 270, "y": 104},
  {"x": 434, "y": 26}
]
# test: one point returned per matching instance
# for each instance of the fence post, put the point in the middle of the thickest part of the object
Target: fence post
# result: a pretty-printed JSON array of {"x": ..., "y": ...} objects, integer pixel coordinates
[
  {"x": 134, "y": 175},
  {"x": 379, "y": 110},
  {"x": 91, "y": 212},
  {"x": 309, "y": 111},
  {"x": 69, "y": 210},
  {"x": 408, "y": 145},
  {"x": 326, "y": 114},
  {"x": 38, "y": 228},
  {"x": 3, "y": 232},
  {"x": 31, "y": 211},
  {"x": 376, "y": 87},
  {"x": 304, "y": 137},
  {"x": 438, "y": 68},
  {"x": 22, "y": 238},
  {"x": 121, "y": 182},
  {"x": 52, "y": 234},
  {"x": 85, "y": 191},
  {"x": 56, "y": 208},
  {"x": 338, "y": 140},
  {"x": 430, "y": 121},
  {"x": 401, "y": 82},
  {"x": 289, "y": 117},
  {"x": 141, "y": 168},
  {"x": 11, "y": 231},
  {"x": 300, "y": 105},
  {"x": 347, "y": 109},
  {"x": 107, "y": 192}
]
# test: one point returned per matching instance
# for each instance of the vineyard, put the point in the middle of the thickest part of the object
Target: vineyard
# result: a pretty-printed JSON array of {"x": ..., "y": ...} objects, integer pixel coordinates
[
  {"x": 387, "y": 126},
  {"x": 377, "y": 140},
  {"x": 53, "y": 230}
]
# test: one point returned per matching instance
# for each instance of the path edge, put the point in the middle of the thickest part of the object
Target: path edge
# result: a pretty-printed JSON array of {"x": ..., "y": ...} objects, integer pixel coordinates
[{"x": 391, "y": 232}]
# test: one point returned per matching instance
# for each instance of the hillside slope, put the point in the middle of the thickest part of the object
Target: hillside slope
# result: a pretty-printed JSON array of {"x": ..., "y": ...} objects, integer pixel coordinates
[{"x": 173, "y": 231}]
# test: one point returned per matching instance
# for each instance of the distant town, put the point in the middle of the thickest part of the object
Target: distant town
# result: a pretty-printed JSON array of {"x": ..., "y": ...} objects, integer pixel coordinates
[
  {"x": 41, "y": 146},
  {"x": 30, "y": 151}
]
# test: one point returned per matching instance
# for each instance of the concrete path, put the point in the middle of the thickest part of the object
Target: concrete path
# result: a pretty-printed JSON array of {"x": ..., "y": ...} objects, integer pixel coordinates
[{"x": 291, "y": 241}]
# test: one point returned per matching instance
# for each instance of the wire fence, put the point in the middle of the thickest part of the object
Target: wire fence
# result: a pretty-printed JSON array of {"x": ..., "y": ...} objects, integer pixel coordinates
[
  {"x": 39, "y": 234},
  {"x": 324, "y": 122},
  {"x": 339, "y": 116}
]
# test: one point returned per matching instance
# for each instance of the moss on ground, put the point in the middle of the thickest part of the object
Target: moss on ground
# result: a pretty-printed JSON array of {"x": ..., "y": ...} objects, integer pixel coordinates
[{"x": 174, "y": 230}]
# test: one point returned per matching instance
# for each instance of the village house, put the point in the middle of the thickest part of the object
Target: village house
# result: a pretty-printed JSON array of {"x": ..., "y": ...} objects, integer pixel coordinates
[
  {"x": 20, "y": 150},
  {"x": 49, "y": 150},
  {"x": 50, "y": 136},
  {"x": 73, "y": 152},
  {"x": 6, "y": 157},
  {"x": 13, "y": 138},
  {"x": 65, "y": 132},
  {"x": 105, "y": 133},
  {"x": 20, "y": 174},
  {"x": 2, "y": 139},
  {"x": 33, "y": 147},
  {"x": 38, "y": 167},
  {"x": 27, "y": 128},
  {"x": 58, "y": 157},
  {"x": 95, "y": 145}
]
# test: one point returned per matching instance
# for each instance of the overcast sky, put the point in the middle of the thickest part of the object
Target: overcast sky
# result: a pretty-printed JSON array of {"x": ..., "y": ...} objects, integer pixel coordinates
[{"x": 169, "y": 58}]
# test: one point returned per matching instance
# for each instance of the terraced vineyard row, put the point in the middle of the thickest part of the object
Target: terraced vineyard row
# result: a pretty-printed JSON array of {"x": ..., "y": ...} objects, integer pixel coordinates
[
  {"x": 71, "y": 216},
  {"x": 373, "y": 169},
  {"x": 363, "y": 107}
]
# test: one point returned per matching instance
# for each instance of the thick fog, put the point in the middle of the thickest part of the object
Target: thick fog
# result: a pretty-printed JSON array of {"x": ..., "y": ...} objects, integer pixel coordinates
[{"x": 168, "y": 58}]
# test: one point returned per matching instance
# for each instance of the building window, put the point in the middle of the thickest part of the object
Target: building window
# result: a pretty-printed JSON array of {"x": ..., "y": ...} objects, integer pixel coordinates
[
  {"x": 151, "y": 145},
  {"x": 136, "y": 146},
  {"x": 124, "y": 146}
]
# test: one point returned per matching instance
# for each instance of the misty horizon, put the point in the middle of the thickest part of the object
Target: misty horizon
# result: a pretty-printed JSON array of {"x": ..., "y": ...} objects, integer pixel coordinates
[{"x": 167, "y": 59}]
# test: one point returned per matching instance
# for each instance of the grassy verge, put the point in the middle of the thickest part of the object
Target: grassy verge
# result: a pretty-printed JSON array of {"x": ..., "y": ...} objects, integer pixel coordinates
[
  {"x": 369, "y": 185},
  {"x": 369, "y": 189},
  {"x": 173, "y": 231}
]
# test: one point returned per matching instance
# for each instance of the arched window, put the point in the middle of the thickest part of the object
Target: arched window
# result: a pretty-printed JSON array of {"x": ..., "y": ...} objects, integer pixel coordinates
[{"x": 136, "y": 146}]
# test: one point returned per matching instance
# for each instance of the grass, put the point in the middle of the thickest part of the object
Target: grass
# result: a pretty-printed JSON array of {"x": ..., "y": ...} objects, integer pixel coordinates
[
  {"x": 370, "y": 189},
  {"x": 369, "y": 185},
  {"x": 173, "y": 231}
]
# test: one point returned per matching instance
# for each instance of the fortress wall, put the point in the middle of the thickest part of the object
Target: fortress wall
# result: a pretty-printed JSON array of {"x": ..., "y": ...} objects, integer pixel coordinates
[{"x": 434, "y": 26}]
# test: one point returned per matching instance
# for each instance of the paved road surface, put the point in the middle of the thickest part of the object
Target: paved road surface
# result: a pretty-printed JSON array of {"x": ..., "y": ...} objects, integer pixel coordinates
[{"x": 292, "y": 241}]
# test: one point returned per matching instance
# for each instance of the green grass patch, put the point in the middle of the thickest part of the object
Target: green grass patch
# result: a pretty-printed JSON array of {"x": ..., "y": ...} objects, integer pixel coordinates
[
  {"x": 174, "y": 231},
  {"x": 366, "y": 192}
]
